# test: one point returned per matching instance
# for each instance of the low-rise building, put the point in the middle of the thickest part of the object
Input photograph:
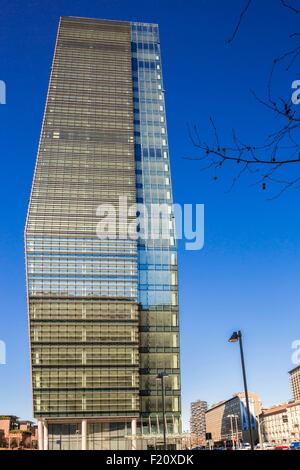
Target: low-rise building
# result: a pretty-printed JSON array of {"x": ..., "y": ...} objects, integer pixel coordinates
[
  {"x": 16, "y": 433},
  {"x": 227, "y": 424},
  {"x": 280, "y": 424}
]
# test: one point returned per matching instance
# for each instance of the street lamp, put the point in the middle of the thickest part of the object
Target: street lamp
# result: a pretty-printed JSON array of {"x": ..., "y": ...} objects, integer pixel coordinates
[
  {"x": 260, "y": 423},
  {"x": 231, "y": 425},
  {"x": 236, "y": 431},
  {"x": 234, "y": 338},
  {"x": 161, "y": 376}
]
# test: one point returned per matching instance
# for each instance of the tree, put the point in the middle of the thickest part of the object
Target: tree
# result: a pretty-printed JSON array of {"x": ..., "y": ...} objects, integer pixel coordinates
[{"x": 267, "y": 162}]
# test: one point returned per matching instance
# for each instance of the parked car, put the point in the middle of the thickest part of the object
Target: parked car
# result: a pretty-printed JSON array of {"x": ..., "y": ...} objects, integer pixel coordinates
[
  {"x": 245, "y": 446},
  {"x": 295, "y": 445},
  {"x": 282, "y": 447},
  {"x": 269, "y": 446},
  {"x": 266, "y": 446}
]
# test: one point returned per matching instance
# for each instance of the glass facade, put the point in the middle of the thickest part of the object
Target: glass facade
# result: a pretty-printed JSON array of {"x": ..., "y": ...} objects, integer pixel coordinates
[
  {"x": 157, "y": 255},
  {"x": 103, "y": 313}
]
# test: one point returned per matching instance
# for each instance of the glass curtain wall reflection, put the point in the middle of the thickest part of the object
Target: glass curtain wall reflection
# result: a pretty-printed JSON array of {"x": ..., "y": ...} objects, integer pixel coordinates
[{"x": 157, "y": 256}]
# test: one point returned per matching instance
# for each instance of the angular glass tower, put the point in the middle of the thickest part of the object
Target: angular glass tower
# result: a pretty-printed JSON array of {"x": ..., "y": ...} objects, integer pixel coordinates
[{"x": 103, "y": 313}]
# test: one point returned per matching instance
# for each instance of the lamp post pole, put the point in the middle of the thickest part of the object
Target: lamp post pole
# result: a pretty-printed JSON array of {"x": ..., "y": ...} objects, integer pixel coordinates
[
  {"x": 246, "y": 390},
  {"x": 164, "y": 410},
  {"x": 237, "y": 432},
  {"x": 260, "y": 436},
  {"x": 161, "y": 376},
  {"x": 231, "y": 426},
  {"x": 237, "y": 336}
]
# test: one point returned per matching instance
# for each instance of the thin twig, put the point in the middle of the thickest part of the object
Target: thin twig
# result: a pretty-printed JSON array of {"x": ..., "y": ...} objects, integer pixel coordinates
[{"x": 242, "y": 14}]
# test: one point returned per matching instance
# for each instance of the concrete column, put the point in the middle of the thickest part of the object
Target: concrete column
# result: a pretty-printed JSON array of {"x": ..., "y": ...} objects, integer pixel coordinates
[
  {"x": 133, "y": 434},
  {"x": 45, "y": 426},
  {"x": 40, "y": 436},
  {"x": 83, "y": 434}
]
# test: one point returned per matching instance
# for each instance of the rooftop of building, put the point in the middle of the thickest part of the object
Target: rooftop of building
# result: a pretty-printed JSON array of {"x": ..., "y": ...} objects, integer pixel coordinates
[
  {"x": 295, "y": 369},
  {"x": 109, "y": 20},
  {"x": 6, "y": 417},
  {"x": 235, "y": 395},
  {"x": 199, "y": 401},
  {"x": 17, "y": 420},
  {"x": 280, "y": 407}
]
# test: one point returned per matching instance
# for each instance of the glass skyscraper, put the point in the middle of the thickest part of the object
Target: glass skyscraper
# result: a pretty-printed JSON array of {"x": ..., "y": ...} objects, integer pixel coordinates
[{"x": 103, "y": 312}]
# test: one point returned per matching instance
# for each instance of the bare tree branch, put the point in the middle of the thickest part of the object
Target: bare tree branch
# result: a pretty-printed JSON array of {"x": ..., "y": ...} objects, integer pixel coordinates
[
  {"x": 242, "y": 14},
  {"x": 281, "y": 148},
  {"x": 290, "y": 7}
]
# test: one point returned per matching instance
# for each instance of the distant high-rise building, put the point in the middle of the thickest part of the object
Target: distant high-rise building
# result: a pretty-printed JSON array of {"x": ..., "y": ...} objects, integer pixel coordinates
[
  {"x": 295, "y": 382},
  {"x": 103, "y": 313},
  {"x": 197, "y": 420}
]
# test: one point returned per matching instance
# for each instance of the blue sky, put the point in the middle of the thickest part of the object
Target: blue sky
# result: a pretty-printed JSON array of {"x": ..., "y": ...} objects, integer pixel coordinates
[{"x": 247, "y": 274}]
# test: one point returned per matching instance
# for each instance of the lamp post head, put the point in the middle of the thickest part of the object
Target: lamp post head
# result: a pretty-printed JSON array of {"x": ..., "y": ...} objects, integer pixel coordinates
[
  {"x": 161, "y": 375},
  {"x": 235, "y": 337}
]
